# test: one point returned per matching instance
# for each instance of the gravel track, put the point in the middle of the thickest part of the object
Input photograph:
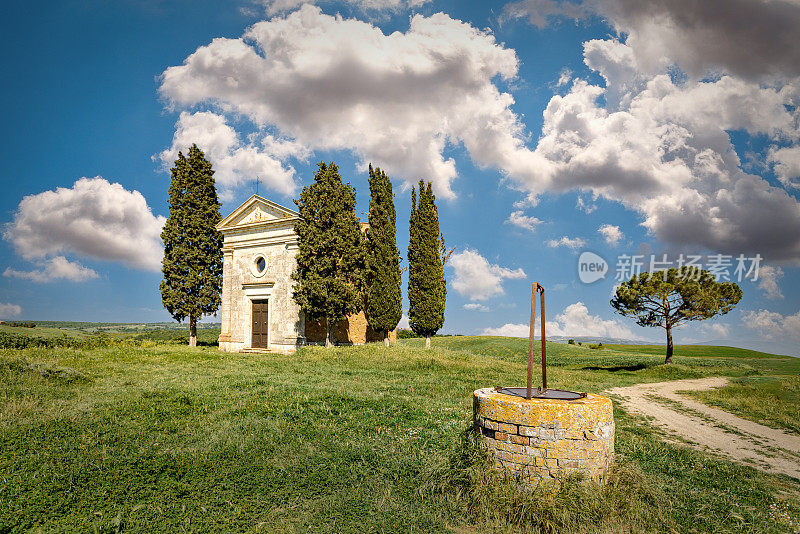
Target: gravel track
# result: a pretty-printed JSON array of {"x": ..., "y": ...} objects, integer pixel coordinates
[{"x": 704, "y": 426}]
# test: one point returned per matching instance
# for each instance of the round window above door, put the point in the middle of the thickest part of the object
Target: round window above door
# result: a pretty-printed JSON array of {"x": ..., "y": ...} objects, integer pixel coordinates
[{"x": 259, "y": 266}]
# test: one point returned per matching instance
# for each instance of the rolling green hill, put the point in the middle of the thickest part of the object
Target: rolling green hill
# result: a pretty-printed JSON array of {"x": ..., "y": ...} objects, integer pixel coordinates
[{"x": 349, "y": 439}]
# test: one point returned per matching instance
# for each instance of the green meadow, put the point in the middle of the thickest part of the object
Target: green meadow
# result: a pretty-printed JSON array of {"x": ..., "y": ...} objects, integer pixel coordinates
[{"x": 145, "y": 434}]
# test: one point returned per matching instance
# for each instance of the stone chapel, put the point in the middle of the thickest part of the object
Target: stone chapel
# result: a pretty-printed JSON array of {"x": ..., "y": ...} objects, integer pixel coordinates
[{"x": 258, "y": 312}]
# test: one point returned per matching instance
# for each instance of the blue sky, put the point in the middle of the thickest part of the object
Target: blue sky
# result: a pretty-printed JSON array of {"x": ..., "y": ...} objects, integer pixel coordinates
[{"x": 538, "y": 122}]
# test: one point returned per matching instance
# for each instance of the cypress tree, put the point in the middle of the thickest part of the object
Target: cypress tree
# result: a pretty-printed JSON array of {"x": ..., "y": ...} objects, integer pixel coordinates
[
  {"x": 384, "y": 301},
  {"x": 426, "y": 283},
  {"x": 192, "y": 264},
  {"x": 330, "y": 260}
]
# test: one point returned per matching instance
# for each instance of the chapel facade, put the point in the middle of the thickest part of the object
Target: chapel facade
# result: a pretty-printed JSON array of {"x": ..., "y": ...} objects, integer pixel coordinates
[{"x": 258, "y": 313}]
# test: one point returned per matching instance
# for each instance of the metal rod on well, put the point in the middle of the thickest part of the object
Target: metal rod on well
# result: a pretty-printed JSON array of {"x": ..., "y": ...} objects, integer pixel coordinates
[
  {"x": 534, "y": 289},
  {"x": 544, "y": 346}
]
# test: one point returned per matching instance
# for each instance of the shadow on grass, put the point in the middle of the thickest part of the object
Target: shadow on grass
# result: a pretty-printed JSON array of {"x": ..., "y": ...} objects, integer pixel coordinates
[{"x": 616, "y": 368}]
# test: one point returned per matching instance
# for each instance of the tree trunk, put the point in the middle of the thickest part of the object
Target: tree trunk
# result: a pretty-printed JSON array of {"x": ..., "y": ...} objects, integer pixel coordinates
[
  {"x": 193, "y": 331},
  {"x": 386, "y": 338},
  {"x": 427, "y": 342},
  {"x": 669, "y": 345},
  {"x": 328, "y": 342}
]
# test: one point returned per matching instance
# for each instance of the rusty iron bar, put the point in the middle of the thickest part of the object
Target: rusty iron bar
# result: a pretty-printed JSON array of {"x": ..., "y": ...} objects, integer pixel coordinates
[
  {"x": 534, "y": 289},
  {"x": 544, "y": 344},
  {"x": 541, "y": 392}
]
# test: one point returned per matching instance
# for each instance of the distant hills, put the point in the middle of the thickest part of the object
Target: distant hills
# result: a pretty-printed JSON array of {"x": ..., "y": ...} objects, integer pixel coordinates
[{"x": 603, "y": 340}]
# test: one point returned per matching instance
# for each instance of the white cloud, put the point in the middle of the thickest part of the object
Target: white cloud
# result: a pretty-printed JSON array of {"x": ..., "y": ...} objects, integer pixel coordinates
[
  {"x": 474, "y": 306},
  {"x": 274, "y": 7},
  {"x": 518, "y": 218},
  {"x": 508, "y": 330},
  {"x": 584, "y": 206},
  {"x": 58, "y": 268},
  {"x": 564, "y": 77},
  {"x": 541, "y": 12},
  {"x": 660, "y": 143},
  {"x": 575, "y": 321},
  {"x": 92, "y": 219},
  {"x": 569, "y": 242},
  {"x": 773, "y": 325},
  {"x": 476, "y": 278},
  {"x": 786, "y": 164},
  {"x": 663, "y": 149},
  {"x": 235, "y": 162},
  {"x": 342, "y": 84},
  {"x": 612, "y": 234},
  {"x": 768, "y": 276},
  {"x": 716, "y": 330},
  {"x": 403, "y": 324},
  {"x": 9, "y": 310},
  {"x": 749, "y": 38}
]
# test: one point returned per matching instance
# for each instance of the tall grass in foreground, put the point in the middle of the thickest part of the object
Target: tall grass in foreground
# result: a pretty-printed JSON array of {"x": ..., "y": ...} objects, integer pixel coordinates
[
  {"x": 652, "y": 487},
  {"x": 626, "y": 501}
]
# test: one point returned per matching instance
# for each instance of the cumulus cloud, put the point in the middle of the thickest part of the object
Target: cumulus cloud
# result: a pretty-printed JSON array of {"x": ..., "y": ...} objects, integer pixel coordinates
[
  {"x": 476, "y": 278},
  {"x": 474, "y": 306},
  {"x": 235, "y": 161},
  {"x": 612, "y": 234},
  {"x": 564, "y": 77},
  {"x": 568, "y": 242},
  {"x": 332, "y": 83},
  {"x": 768, "y": 276},
  {"x": 575, "y": 320},
  {"x": 584, "y": 206},
  {"x": 657, "y": 140},
  {"x": 716, "y": 330},
  {"x": 648, "y": 139},
  {"x": 749, "y": 38},
  {"x": 92, "y": 219},
  {"x": 786, "y": 164},
  {"x": 9, "y": 310},
  {"x": 662, "y": 148},
  {"x": 58, "y": 268},
  {"x": 273, "y": 7},
  {"x": 508, "y": 330},
  {"x": 540, "y": 13},
  {"x": 773, "y": 325},
  {"x": 518, "y": 218}
]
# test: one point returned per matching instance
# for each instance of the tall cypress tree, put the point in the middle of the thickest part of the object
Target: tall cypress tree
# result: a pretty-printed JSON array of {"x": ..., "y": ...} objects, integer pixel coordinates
[
  {"x": 427, "y": 289},
  {"x": 384, "y": 301},
  {"x": 330, "y": 260},
  {"x": 192, "y": 263}
]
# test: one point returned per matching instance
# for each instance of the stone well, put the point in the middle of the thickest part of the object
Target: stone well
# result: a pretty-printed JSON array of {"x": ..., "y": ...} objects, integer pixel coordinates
[{"x": 544, "y": 439}]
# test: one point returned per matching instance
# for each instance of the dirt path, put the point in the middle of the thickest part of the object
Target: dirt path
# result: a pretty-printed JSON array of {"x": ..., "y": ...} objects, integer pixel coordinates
[{"x": 742, "y": 440}]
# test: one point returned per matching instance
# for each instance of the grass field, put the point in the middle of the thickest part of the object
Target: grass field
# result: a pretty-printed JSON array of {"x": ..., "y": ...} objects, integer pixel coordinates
[
  {"x": 702, "y": 351},
  {"x": 42, "y": 331},
  {"x": 771, "y": 400},
  {"x": 350, "y": 439}
]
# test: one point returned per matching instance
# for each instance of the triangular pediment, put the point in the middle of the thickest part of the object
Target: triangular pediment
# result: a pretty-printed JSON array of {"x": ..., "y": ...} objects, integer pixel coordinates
[{"x": 257, "y": 210}]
